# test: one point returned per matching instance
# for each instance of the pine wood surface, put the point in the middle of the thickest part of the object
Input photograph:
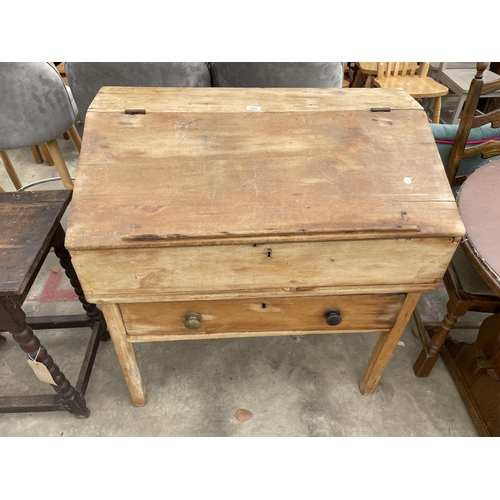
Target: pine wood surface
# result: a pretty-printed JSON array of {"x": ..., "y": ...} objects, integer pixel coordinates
[
  {"x": 199, "y": 202},
  {"x": 359, "y": 313},
  {"x": 154, "y": 272},
  {"x": 126, "y": 354},
  {"x": 415, "y": 86},
  {"x": 256, "y": 173},
  {"x": 236, "y": 100},
  {"x": 385, "y": 346}
]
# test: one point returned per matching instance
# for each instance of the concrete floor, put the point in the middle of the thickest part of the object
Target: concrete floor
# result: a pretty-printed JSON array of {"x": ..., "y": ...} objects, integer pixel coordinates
[{"x": 293, "y": 388}]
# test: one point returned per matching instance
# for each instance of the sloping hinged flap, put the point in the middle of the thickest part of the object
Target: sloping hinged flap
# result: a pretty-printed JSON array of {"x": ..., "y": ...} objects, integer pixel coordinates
[{"x": 199, "y": 166}]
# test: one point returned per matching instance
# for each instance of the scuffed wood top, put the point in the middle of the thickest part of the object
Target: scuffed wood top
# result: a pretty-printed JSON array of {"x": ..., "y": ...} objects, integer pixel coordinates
[
  {"x": 236, "y": 100},
  {"x": 27, "y": 223},
  {"x": 312, "y": 163}
]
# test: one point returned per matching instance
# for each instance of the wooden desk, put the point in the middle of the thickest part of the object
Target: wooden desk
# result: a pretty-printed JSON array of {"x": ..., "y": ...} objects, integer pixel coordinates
[
  {"x": 225, "y": 213},
  {"x": 475, "y": 367}
]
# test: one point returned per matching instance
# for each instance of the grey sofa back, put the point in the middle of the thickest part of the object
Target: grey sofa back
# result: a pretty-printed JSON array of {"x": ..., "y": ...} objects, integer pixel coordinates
[
  {"x": 34, "y": 106},
  {"x": 277, "y": 74},
  {"x": 86, "y": 78}
]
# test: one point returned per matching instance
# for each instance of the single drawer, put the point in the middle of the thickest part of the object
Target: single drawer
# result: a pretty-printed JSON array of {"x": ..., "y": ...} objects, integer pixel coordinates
[
  {"x": 267, "y": 316},
  {"x": 142, "y": 274}
]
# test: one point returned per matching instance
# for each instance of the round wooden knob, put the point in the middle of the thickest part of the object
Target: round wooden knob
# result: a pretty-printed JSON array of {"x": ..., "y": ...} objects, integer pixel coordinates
[
  {"x": 192, "y": 321},
  {"x": 333, "y": 317}
]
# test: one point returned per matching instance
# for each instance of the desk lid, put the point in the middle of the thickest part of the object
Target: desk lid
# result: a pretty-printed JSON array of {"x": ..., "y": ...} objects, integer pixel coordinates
[{"x": 225, "y": 165}]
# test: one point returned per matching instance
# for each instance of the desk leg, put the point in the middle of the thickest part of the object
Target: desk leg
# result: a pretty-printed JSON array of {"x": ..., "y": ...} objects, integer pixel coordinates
[
  {"x": 385, "y": 346},
  {"x": 126, "y": 354}
]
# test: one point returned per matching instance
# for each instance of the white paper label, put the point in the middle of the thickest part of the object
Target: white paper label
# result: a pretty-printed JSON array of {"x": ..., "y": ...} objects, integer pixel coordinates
[
  {"x": 41, "y": 372},
  {"x": 253, "y": 108},
  {"x": 407, "y": 180}
]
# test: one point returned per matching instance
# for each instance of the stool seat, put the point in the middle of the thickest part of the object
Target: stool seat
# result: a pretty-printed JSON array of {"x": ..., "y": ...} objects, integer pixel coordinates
[{"x": 29, "y": 221}]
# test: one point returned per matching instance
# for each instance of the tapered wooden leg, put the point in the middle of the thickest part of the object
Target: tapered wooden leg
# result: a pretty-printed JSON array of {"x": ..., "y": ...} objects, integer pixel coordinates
[
  {"x": 36, "y": 154},
  {"x": 47, "y": 155},
  {"x": 75, "y": 137},
  {"x": 11, "y": 171},
  {"x": 437, "y": 110},
  {"x": 368, "y": 82},
  {"x": 60, "y": 163},
  {"x": 385, "y": 346},
  {"x": 126, "y": 354}
]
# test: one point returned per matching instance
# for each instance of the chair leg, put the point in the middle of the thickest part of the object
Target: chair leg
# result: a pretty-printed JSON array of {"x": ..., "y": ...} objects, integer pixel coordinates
[
  {"x": 47, "y": 155},
  {"x": 458, "y": 109},
  {"x": 437, "y": 110},
  {"x": 357, "y": 78},
  {"x": 10, "y": 170},
  {"x": 36, "y": 154},
  {"x": 60, "y": 164},
  {"x": 75, "y": 137},
  {"x": 368, "y": 82},
  {"x": 430, "y": 353},
  {"x": 15, "y": 319}
]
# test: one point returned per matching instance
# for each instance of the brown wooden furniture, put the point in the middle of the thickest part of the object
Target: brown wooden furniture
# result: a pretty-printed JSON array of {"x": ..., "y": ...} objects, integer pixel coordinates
[
  {"x": 476, "y": 367},
  {"x": 457, "y": 81},
  {"x": 469, "y": 120},
  {"x": 362, "y": 70},
  {"x": 29, "y": 227},
  {"x": 62, "y": 71},
  {"x": 369, "y": 70},
  {"x": 413, "y": 79},
  {"x": 205, "y": 213},
  {"x": 466, "y": 289}
]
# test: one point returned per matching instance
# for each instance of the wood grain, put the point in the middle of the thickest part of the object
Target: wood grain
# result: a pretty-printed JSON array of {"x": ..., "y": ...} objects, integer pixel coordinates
[
  {"x": 201, "y": 203},
  {"x": 278, "y": 178},
  {"x": 385, "y": 346},
  {"x": 28, "y": 224},
  {"x": 203, "y": 269},
  {"x": 126, "y": 354},
  {"x": 360, "y": 313},
  {"x": 228, "y": 100}
]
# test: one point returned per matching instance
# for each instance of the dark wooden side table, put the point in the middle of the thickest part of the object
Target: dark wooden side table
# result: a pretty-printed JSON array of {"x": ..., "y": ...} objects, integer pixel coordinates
[
  {"x": 475, "y": 367},
  {"x": 29, "y": 228}
]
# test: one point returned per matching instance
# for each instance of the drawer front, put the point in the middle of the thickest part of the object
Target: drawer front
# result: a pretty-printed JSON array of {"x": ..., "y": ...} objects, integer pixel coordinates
[
  {"x": 277, "y": 315},
  {"x": 109, "y": 275}
]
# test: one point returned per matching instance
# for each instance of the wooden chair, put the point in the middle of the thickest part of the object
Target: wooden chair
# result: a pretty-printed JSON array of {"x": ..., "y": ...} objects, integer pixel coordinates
[
  {"x": 36, "y": 108},
  {"x": 37, "y": 155},
  {"x": 412, "y": 78},
  {"x": 29, "y": 227},
  {"x": 367, "y": 70},
  {"x": 364, "y": 70},
  {"x": 457, "y": 80},
  {"x": 466, "y": 289}
]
